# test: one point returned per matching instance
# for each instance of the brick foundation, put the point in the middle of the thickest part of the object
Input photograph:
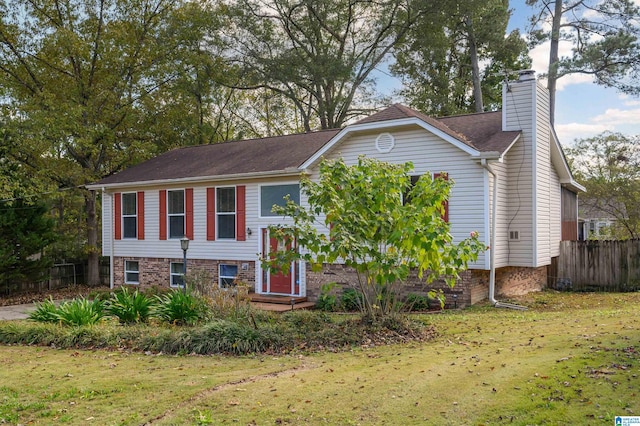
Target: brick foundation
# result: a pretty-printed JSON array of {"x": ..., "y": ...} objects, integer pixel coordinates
[
  {"x": 155, "y": 272},
  {"x": 471, "y": 288}
]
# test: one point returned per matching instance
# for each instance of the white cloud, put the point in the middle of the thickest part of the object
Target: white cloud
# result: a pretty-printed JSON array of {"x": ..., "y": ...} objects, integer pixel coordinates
[
  {"x": 567, "y": 133},
  {"x": 540, "y": 63},
  {"x": 615, "y": 116}
]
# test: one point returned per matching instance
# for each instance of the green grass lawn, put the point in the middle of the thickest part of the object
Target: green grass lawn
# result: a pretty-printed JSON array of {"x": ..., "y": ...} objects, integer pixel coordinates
[{"x": 570, "y": 359}]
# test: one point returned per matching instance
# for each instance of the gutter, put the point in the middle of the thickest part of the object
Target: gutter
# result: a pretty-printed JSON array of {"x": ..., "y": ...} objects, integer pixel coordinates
[
  {"x": 492, "y": 264},
  {"x": 292, "y": 171}
]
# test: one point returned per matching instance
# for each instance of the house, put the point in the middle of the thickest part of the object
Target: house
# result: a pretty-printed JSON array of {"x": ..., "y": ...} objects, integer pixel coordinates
[
  {"x": 595, "y": 223},
  {"x": 512, "y": 185}
]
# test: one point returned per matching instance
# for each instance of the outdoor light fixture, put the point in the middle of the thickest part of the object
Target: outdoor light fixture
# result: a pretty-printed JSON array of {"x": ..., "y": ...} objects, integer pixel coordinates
[
  {"x": 249, "y": 232},
  {"x": 184, "y": 245}
]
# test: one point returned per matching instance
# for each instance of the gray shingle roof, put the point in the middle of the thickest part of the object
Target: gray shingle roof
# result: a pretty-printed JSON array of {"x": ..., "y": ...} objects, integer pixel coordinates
[
  {"x": 482, "y": 132},
  {"x": 228, "y": 158}
]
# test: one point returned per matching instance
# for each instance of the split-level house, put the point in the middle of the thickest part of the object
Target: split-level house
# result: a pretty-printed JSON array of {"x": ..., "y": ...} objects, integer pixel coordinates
[{"x": 220, "y": 197}]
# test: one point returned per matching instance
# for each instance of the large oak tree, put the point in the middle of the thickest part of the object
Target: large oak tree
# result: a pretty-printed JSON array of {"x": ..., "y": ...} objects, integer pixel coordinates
[{"x": 76, "y": 76}]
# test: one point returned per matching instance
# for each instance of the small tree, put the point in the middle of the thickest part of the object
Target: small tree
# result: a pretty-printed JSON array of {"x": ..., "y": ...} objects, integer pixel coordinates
[
  {"x": 380, "y": 224},
  {"x": 26, "y": 231},
  {"x": 609, "y": 166}
]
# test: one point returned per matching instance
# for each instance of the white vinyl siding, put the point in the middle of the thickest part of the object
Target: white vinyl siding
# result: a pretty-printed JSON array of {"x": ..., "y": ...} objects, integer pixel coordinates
[
  {"x": 199, "y": 247},
  {"x": 107, "y": 223},
  {"x": 517, "y": 114},
  {"x": 501, "y": 256},
  {"x": 543, "y": 176},
  {"x": 429, "y": 153}
]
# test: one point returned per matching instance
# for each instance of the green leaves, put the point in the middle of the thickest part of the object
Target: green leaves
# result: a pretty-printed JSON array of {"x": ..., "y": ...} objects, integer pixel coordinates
[{"x": 379, "y": 224}]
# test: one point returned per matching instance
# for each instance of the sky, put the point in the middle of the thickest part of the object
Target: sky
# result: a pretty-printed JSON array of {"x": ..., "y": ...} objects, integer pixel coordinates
[{"x": 583, "y": 108}]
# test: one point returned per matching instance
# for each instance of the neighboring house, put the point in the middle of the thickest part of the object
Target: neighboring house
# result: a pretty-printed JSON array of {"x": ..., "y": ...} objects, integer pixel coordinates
[
  {"x": 220, "y": 196},
  {"x": 595, "y": 223}
]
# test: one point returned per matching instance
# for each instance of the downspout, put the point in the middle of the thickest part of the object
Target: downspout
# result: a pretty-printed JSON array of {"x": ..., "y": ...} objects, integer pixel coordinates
[
  {"x": 492, "y": 242},
  {"x": 110, "y": 241}
]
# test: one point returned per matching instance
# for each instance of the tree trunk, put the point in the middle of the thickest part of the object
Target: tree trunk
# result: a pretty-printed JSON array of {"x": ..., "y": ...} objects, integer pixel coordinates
[
  {"x": 93, "y": 259},
  {"x": 552, "y": 76},
  {"x": 475, "y": 69}
]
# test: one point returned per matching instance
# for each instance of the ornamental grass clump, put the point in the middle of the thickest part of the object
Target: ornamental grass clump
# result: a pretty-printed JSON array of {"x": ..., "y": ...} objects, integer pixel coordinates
[
  {"x": 180, "y": 308},
  {"x": 81, "y": 311},
  {"x": 46, "y": 311},
  {"x": 129, "y": 308}
]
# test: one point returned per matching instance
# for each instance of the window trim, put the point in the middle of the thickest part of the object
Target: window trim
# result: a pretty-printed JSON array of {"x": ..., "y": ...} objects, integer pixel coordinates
[
  {"x": 183, "y": 214},
  {"x": 274, "y": 184},
  {"x": 129, "y": 271},
  {"x": 172, "y": 274},
  {"x": 234, "y": 214},
  {"x": 220, "y": 276},
  {"x": 127, "y": 216}
]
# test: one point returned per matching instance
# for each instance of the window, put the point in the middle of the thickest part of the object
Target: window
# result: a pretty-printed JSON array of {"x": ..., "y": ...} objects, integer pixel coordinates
[
  {"x": 175, "y": 211},
  {"x": 406, "y": 199},
  {"x": 129, "y": 215},
  {"x": 177, "y": 274},
  {"x": 226, "y": 212},
  {"x": 274, "y": 194},
  {"x": 227, "y": 275},
  {"x": 131, "y": 272}
]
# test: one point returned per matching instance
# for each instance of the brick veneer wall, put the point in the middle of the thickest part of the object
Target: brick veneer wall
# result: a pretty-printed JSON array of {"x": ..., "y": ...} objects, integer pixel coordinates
[
  {"x": 516, "y": 281},
  {"x": 471, "y": 288},
  {"x": 155, "y": 271}
]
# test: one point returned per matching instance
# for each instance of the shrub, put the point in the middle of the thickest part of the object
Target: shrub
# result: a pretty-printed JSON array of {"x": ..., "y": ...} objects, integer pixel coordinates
[
  {"x": 81, "y": 311},
  {"x": 351, "y": 300},
  {"x": 179, "y": 307},
  {"x": 327, "y": 301},
  {"x": 416, "y": 302},
  {"x": 129, "y": 308},
  {"x": 46, "y": 311}
]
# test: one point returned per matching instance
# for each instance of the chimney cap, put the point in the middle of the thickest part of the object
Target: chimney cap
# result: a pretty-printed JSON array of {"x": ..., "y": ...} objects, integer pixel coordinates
[{"x": 524, "y": 75}]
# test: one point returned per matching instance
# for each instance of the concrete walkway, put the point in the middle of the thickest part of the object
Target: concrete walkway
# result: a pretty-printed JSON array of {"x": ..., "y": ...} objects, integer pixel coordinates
[{"x": 16, "y": 312}]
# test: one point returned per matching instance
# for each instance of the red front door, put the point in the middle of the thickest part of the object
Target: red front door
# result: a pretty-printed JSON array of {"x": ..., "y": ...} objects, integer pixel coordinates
[{"x": 276, "y": 281}]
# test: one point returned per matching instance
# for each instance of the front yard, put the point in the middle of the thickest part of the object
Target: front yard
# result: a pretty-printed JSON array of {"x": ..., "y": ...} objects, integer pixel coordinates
[{"x": 570, "y": 359}]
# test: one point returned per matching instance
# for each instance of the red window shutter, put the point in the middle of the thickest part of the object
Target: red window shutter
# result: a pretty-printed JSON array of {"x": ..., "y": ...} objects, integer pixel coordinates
[
  {"x": 188, "y": 200},
  {"x": 241, "y": 234},
  {"x": 211, "y": 214},
  {"x": 444, "y": 176},
  {"x": 163, "y": 214},
  {"x": 141, "y": 215},
  {"x": 117, "y": 215}
]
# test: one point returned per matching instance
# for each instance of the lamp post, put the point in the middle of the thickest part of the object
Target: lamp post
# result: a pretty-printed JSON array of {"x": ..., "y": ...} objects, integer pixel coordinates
[{"x": 184, "y": 244}]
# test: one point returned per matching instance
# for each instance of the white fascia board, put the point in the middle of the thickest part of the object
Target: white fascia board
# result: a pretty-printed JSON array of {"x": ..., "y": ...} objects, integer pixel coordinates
[
  {"x": 563, "y": 170},
  {"x": 379, "y": 125},
  {"x": 197, "y": 179}
]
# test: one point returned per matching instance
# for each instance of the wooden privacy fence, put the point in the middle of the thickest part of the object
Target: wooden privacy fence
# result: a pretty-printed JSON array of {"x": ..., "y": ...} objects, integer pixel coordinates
[{"x": 599, "y": 265}]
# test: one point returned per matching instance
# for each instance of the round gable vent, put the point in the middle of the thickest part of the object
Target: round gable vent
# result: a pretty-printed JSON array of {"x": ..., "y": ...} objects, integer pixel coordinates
[{"x": 385, "y": 142}]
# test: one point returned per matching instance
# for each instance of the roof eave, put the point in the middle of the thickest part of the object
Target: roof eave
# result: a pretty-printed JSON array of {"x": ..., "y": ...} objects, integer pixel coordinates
[{"x": 291, "y": 171}]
